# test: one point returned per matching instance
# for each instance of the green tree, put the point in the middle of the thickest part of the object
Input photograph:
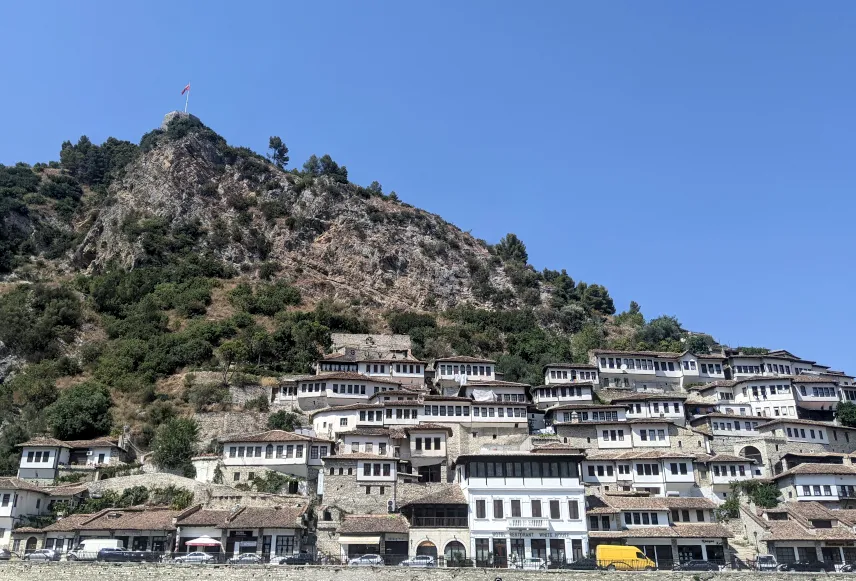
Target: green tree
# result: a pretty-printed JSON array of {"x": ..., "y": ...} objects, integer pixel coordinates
[
  {"x": 663, "y": 329},
  {"x": 512, "y": 249},
  {"x": 278, "y": 152},
  {"x": 700, "y": 343},
  {"x": 231, "y": 353},
  {"x": 175, "y": 443},
  {"x": 81, "y": 412},
  {"x": 846, "y": 413},
  {"x": 596, "y": 298},
  {"x": 375, "y": 188},
  {"x": 283, "y": 420}
]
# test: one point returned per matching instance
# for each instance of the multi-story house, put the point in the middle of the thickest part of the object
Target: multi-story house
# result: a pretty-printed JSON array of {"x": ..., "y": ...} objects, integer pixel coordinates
[
  {"x": 576, "y": 413},
  {"x": 668, "y": 406},
  {"x": 771, "y": 364},
  {"x": 802, "y": 396},
  {"x": 247, "y": 457},
  {"x": 406, "y": 370},
  {"x": 717, "y": 472},
  {"x": 460, "y": 370},
  {"x": 549, "y": 395},
  {"x": 667, "y": 530},
  {"x": 565, "y": 373},
  {"x": 523, "y": 505},
  {"x": 43, "y": 459},
  {"x": 18, "y": 500},
  {"x": 833, "y": 485},
  {"x": 337, "y": 388},
  {"x": 655, "y": 371},
  {"x": 655, "y": 472}
]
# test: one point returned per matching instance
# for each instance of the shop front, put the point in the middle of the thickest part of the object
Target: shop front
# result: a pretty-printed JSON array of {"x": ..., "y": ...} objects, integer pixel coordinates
[
  {"x": 511, "y": 548},
  {"x": 666, "y": 551}
]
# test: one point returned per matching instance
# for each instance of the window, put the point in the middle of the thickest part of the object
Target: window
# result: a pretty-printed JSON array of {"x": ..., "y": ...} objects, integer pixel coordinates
[
  {"x": 236, "y": 477},
  {"x": 368, "y": 489},
  {"x": 699, "y": 515},
  {"x": 515, "y": 508},
  {"x": 387, "y": 469},
  {"x": 381, "y": 448},
  {"x": 554, "y": 510},
  {"x": 685, "y": 515},
  {"x": 343, "y": 421},
  {"x": 497, "y": 509},
  {"x": 233, "y": 452},
  {"x": 313, "y": 452},
  {"x": 427, "y": 443},
  {"x": 536, "y": 508},
  {"x": 573, "y": 509},
  {"x": 418, "y": 443},
  {"x": 6, "y": 497},
  {"x": 436, "y": 443},
  {"x": 480, "y": 509}
]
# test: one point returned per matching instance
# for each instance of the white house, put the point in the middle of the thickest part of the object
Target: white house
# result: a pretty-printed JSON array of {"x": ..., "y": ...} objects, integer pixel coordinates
[
  {"x": 829, "y": 484},
  {"x": 42, "y": 458},
  {"x": 552, "y": 394},
  {"x": 286, "y": 452},
  {"x": 656, "y": 472},
  {"x": 339, "y": 388},
  {"x": 564, "y": 373},
  {"x": 523, "y": 505},
  {"x": 462, "y": 369},
  {"x": 721, "y": 470},
  {"x": 667, "y": 406},
  {"x": 18, "y": 499}
]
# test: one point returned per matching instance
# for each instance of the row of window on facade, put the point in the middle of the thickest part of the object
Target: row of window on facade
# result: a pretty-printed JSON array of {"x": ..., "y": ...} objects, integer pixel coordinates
[
  {"x": 726, "y": 426},
  {"x": 554, "y": 511},
  {"x": 38, "y": 456},
  {"x": 539, "y": 547},
  {"x": 527, "y": 469},
  {"x": 285, "y": 451},
  {"x": 637, "y": 408},
  {"x": 368, "y": 448},
  {"x": 399, "y": 368},
  {"x": 801, "y": 433},
  {"x": 590, "y": 416},
  {"x": 377, "y": 469},
  {"x": 761, "y": 390},
  {"x": 729, "y": 469},
  {"x": 484, "y": 412},
  {"x": 583, "y": 375},
  {"x": 556, "y": 391},
  {"x": 482, "y": 370}
]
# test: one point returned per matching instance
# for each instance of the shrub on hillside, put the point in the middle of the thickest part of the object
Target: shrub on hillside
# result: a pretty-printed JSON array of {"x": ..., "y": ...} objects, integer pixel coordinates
[{"x": 81, "y": 412}]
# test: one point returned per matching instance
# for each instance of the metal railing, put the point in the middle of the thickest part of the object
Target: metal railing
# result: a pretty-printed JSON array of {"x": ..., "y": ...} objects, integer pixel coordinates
[{"x": 440, "y": 521}]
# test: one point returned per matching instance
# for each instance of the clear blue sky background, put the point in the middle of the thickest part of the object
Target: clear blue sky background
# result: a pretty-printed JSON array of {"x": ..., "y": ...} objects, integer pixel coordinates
[{"x": 695, "y": 157}]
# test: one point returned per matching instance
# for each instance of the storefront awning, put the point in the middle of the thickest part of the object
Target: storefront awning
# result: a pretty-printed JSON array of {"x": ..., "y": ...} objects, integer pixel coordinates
[{"x": 359, "y": 540}]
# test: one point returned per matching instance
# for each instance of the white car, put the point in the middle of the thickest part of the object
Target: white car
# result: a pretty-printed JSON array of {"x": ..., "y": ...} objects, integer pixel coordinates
[
  {"x": 366, "y": 561},
  {"x": 419, "y": 561},
  {"x": 197, "y": 557},
  {"x": 532, "y": 564}
]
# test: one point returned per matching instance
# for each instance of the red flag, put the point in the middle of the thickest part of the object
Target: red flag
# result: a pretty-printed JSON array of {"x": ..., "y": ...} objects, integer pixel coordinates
[{"x": 187, "y": 88}]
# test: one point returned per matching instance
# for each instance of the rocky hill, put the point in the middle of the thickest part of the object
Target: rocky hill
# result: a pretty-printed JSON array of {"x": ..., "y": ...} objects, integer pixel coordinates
[{"x": 127, "y": 268}]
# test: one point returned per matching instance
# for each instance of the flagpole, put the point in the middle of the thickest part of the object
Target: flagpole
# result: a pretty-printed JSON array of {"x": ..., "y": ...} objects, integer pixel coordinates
[{"x": 187, "y": 99}]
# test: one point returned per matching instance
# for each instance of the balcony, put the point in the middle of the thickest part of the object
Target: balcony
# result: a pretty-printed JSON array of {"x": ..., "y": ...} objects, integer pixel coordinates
[
  {"x": 440, "y": 522},
  {"x": 528, "y": 523}
]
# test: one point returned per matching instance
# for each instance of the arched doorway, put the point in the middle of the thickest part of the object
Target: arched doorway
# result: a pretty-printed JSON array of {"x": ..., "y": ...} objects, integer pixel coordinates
[
  {"x": 427, "y": 548},
  {"x": 32, "y": 542},
  {"x": 455, "y": 554},
  {"x": 753, "y": 453}
]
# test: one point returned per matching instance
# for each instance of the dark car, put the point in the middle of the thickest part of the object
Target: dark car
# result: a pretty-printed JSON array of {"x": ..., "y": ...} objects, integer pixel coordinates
[
  {"x": 813, "y": 566},
  {"x": 696, "y": 565},
  {"x": 586, "y": 564},
  {"x": 301, "y": 558},
  {"x": 5, "y": 554},
  {"x": 114, "y": 555}
]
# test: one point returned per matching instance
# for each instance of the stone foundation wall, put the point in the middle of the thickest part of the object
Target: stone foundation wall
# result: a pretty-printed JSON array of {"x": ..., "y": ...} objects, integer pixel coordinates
[
  {"x": 18, "y": 571},
  {"x": 222, "y": 424}
]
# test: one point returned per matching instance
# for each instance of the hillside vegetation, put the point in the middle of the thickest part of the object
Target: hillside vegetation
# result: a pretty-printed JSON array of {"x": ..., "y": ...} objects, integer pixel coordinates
[{"x": 131, "y": 269}]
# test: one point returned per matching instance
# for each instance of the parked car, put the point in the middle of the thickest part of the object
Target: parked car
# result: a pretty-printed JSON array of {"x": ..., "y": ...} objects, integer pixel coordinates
[
  {"x": 42, "y": 555},
  {"x": 366, "y": 561},
  {"x": 814, "y": 566},
  {"x": 419, "y": 561},
  {"x": 696, "y": 565},
  {"x": 246, "y": 559},
  {"x": 124, "y": 556},
  {"x": 623, "y": 558},
  {"x": 301, "y": 558},
  {"x": 197, "y": 557},
  {"x": 586, "y": 564},
  {"x": 5, "y": 554},
  {"x": 766, "y": 563},
  {"x": 87, "y": 549}
]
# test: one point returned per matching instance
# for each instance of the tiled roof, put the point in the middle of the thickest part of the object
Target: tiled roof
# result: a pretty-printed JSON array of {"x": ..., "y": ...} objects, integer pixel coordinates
[
  {"x": 43, "y": 441},
  {"x": 680, "y": 531},
  {"x": 493, "y": 383},
  {"x": 69, "y": 523},
  {"x": 369, "y": 524},
  {"x": 397, "y": 392},
  {"x": 346, "y": 375},
  {"x": 448, "y": 494},
  {"x": 366, "y": 431},
  {"x": 638, "y": 454},
  {"x": 571, "y": 365},
  {"x": 402, "y": 403},
  {"x": 662, "y": 354},
  {"x": 712, "y": 384},
  {"x": 12, "y": 483},
  {"x": 273, "y": 436},
  {"x": 463, "y": 359},
  {"x": 567, "y": 384},
  {"x": 513, "y": 454},
  {"x": 345, "y": 408},
  {"x": 448, "y": 398},
  {"x": 130, "y": 519},
  {"x": 777, "y": 421},
  {"x": 727, "y": 458},
  {"x": 27, "y": 530},
  {"x": 201, "y": 517},
  {"x": 622, "y": 502},
  {"x": 554, "y": 447},
  {"x": 793, "y": 531},
  {"x": 644, "y": 396},
  {"x": 811, "y": 468},
  {"x": 717, "y": 415},
  {"x": 66, "y": 489},
  {"x": 584, "y": 406},
  {"x": 97, "y": 442},
  {"x": 278, "y": 517},
  {"x": 357, "y": 456},
  {"x": 811, "y": 379},
  {"x": 428, "y": 426}
]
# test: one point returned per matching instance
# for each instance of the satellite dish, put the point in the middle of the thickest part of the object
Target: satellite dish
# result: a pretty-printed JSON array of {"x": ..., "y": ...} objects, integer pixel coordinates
[{"x": 623, "y": 367}]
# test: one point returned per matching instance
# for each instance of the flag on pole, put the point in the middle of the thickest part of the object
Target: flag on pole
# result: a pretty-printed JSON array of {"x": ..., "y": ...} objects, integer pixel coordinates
[{"x": 187, "y": 88}]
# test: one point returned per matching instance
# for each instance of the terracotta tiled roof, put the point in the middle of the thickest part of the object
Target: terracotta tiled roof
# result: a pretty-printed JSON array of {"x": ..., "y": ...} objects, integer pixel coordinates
[
  {"x": 448, "y": 494},
  {"x": 68, "y": 524},
  {"x": 345, "y": 408},
  {"x": 448, "y": 398},
  {"x": 463, "y": 359},
  {"x": 202, "y": 517},
  {"x": 131, "y": 519},
  {"x": 661, "y": 354},
  {"x": 397, "y": 392},
  {"x": 265, "y": 517},
  {"x": 793, "y": 531},
  {"x": 369, "y": 524},
  {"x": 712, "y": 384},
  {"x": 97, "y": 442},
  {"x": 43, "y": 441},
  {"x": 553, "y": 447},
  {"x": 622, "y": 502},
  {"x": 493, "y": 383},
  {"x": 644, "y": 396},
  {"x": 778, "y": 421},
  {"x": 66, "y": 489},
  {"x": 584, "y": 406},
  {"x": 357, "y": 456},
  {"x": 680, "y": 531},
  {"x": 273, "y": 436},
  {"x": 568, "y": 384},
  {"x": 811, "y": 379},
  {"x": 810, "y": 468},
  {"x": 428, "y": 426},
  {"x": 27, "y": 530},
  {"x": 727, "y": 458},
  {"x": 571, "y": 365},
  {"x": 366, "y": 431},
  {"x": 638, "y": 454},
  {"x": 345, "y": 375},
  {"x": 12, "y": 483},
  {"x": 718, "y": 415}
]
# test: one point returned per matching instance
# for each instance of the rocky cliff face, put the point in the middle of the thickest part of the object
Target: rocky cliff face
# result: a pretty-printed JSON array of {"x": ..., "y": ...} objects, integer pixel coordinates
[{"x": 331, "y": 238}]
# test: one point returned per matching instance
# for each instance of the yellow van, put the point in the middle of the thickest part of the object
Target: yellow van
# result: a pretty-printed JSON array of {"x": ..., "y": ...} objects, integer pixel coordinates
[{"x": 622, "y": 558}]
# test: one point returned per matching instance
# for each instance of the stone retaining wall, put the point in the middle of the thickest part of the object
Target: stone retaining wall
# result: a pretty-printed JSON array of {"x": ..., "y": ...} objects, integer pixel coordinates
[{"x": 17, "y": 571}]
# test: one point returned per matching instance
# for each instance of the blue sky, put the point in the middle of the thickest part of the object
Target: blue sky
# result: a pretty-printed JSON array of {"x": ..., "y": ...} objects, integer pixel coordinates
[{"x": 694, "y": 157}]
